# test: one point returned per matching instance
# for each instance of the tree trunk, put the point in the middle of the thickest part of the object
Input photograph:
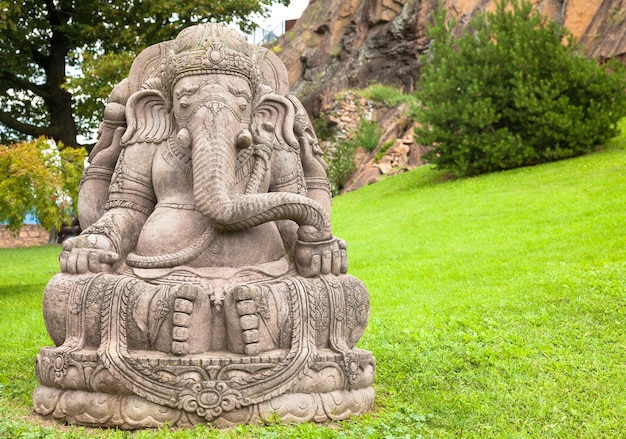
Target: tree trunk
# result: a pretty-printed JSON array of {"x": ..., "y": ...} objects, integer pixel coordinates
[{"x": 62, "y": 126}]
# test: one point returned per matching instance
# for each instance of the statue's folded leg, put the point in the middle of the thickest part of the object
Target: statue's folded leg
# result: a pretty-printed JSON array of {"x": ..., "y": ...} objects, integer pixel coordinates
[
  {"x": 104, "y": 326},
  {"x": 74, "y": 313},
  {"x": 256, "y": 318},
  {"x": 71, "y": 308},
  {"x": 259, "y": 317}
]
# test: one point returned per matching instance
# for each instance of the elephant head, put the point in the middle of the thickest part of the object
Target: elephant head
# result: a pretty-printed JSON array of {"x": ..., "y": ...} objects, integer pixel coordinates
[{"x": 213, "y": 99}]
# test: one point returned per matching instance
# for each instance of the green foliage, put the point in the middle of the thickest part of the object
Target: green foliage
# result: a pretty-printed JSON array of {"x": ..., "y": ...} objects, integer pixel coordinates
[
  {"x": 340, "y": 158},
  {"x": 340, "y": 161},
  {"x": 383, "y": 149},
  {"x": 95, "y": 42},
  {"x": 389, "y": 96},
  {"x": 99, "y": 74},
  {"x": 507, "y": 93},
  {"x": 367, "y": 135},
  {"x": 39, "y": 179}
]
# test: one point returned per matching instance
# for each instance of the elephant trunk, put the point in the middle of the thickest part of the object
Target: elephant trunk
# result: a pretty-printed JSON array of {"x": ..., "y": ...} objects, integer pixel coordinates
[{"x": 214, "y": 156}]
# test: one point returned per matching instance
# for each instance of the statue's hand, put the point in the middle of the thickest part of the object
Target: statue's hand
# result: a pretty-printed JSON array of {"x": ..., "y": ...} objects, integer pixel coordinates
[
  {"x": 321, "y": 257},
  {"x": 88, "y": 254}
]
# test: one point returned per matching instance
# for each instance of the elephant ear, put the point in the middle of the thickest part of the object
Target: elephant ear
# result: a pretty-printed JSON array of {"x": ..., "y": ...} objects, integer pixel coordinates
[
  {"x": 148, "y": 117},
  {"x": 275, "y": 118}
]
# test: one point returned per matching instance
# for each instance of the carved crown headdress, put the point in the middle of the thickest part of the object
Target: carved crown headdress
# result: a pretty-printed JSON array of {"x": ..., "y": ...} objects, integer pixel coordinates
[{"x": 208, "y": 49}]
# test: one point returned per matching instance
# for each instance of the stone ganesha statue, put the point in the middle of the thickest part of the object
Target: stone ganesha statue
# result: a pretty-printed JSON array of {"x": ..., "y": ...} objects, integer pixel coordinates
[{"x": 206, "y": 285}]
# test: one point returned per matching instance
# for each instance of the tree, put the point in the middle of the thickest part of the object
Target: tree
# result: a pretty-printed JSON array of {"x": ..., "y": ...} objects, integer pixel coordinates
[
  {"x": 39, "y": 178},
  {"x": 513, "y": 90},
  {"x": 41, "y": 41}
]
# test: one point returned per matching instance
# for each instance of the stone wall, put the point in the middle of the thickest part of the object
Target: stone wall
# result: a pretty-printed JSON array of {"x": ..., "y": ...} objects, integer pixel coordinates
[
  {"x": 28, "y": 236},
  {"x": 396, "y": 151}
]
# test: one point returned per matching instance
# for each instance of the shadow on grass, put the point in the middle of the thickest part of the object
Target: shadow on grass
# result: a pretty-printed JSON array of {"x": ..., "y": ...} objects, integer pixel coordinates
[{"x": 12, "y": 290}]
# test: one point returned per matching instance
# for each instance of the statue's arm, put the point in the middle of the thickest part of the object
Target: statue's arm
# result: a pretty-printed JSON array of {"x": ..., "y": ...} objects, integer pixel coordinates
[
  {"x": 329, "y": 256},
  {"x": 131, "y": 201},
  {"x": 314, "y": 169},
  {"x": 94, "y": 185}
]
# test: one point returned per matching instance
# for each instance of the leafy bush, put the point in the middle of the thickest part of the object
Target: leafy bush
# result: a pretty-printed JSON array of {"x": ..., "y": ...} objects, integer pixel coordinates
[
  {"x": 340, "y": 157},
  {"x": 340, "y": 161},
  {"x": 40, "y": 178},
  {"x": 367, "y": 135},
  {"x": 507, "y": 93}
]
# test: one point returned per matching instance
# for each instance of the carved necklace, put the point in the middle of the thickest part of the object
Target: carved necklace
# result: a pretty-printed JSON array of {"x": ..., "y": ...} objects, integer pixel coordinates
[{"x": 177, "y": 157}]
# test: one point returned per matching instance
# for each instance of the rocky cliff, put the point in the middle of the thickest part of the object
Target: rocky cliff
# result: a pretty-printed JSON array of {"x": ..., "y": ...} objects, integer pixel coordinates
[
  {"x": 339, "y": 44},
  {"x": 342, "y": 44}
]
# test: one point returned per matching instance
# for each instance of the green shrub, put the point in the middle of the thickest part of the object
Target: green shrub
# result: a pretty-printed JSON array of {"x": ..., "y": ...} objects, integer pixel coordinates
[
  {"x": 367, "y": 135},
  {"x": 340, "y": 157},
  {"x": 389, "y": 96},
  {"x": 340, "y": 161},
  {"x": 507, "y": 93}
]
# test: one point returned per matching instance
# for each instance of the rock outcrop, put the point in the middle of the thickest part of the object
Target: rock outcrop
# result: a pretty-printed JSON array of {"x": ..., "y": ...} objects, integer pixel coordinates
[
  {"x": 396, "y": 150},
  {"x": 342, "y": 44},
  {"x": 605, "y": 35},
  {"x": 339, "y": 44}
]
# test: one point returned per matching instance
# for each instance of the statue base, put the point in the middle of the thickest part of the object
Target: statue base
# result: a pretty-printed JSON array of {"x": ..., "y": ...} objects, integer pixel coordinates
[{"x": 78, "y": 389}]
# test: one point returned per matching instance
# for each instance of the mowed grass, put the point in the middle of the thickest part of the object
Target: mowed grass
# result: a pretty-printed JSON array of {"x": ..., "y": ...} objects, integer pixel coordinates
[
  {"x": 498, "y": 303},
  {"x": 498, "y": 308}
]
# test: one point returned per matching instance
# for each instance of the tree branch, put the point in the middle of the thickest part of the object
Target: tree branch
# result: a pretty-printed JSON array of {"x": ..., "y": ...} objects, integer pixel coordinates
[
  {"x": 24, "y": 84},
  {"x": 40, "y": 59},
  {"x": 28, "y": 129}
]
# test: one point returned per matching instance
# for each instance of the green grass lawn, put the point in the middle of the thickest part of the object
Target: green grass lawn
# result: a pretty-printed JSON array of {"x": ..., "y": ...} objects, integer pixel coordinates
[{"x": 498, "y": 308}]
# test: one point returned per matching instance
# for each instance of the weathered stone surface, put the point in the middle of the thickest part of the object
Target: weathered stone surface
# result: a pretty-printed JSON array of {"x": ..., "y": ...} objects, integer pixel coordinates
[
  {"x": 339, "y": 44},
  {"x": 345, "y": 114},
  {"x": 605, "y": 35},
  {"x": 342, "y": 44},
  {"x": 207, "y": 285}
]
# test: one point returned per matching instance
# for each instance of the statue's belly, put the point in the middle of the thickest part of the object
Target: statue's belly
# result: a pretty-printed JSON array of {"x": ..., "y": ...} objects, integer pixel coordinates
[{"x": 169, "y": 230}]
